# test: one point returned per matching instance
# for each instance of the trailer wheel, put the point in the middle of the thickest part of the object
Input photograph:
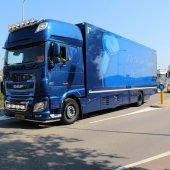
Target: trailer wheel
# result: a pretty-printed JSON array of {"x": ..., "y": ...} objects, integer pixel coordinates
[
  {"x": 70, "y": 111},
  {"x": 140, "y": 100}
]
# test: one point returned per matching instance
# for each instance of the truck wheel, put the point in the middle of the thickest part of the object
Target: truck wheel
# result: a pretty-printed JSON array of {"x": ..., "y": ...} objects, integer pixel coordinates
[
  {"x": 140, "y": 100},
  {"x": 70, "y": 111}
]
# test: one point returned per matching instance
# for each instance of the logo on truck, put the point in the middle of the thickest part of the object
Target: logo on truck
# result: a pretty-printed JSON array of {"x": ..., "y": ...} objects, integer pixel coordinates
[{"x": 18, "y": 86}]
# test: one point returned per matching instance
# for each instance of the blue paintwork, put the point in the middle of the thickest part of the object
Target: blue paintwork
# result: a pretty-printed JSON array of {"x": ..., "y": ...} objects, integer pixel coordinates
[
  {"x": 112, "y": 63},
  {"x": 116, "y": 62},
  {"x": 100, "y": 61},
  {"x": 55, "y": 30}
]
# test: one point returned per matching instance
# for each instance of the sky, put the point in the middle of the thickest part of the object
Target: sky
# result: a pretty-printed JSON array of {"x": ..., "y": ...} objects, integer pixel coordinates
[{"x": 144, "y": 21}]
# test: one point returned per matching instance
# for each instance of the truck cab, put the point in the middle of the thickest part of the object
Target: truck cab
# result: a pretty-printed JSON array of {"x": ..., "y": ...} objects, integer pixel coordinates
[
  {"x": 36, "y": 81},
  {"x": 162, "y": 77},
  {"x": 168, "y": 81}
]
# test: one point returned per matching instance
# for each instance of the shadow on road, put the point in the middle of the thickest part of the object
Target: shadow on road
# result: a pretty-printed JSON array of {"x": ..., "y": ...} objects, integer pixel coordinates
[
  {"x": 48, "y": 152},
  {"x": 21, "y": 124},
  {"x": 37, "y": 152}
]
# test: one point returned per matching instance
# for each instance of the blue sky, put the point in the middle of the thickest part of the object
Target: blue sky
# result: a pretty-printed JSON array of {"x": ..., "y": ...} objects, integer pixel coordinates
[{"x": 144, "y": 21}]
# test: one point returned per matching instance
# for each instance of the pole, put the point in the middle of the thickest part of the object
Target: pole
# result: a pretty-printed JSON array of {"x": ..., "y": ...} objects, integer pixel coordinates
[
  {"x": 162, "y": 97},
  {"x": 23, "y": 9}
]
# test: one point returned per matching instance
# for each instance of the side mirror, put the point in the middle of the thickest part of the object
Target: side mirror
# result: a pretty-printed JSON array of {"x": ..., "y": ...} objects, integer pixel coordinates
[
  {"x": 56, "y": 50},
  {"x": 54, "y": 53}
]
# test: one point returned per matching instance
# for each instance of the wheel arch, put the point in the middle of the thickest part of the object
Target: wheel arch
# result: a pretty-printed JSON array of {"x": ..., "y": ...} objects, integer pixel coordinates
[{"x": 74, "y": 97}]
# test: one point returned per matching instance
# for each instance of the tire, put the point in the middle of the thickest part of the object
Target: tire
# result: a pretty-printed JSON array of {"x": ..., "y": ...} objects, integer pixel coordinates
[
  {"x": 70, "y": 111},
  {"x": 140, "y": 100}
]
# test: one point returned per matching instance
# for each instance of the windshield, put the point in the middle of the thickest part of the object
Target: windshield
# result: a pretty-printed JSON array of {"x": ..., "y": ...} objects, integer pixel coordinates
[
  {"x": 163, "y": 76},
  {"x": 34, "y": 54}
]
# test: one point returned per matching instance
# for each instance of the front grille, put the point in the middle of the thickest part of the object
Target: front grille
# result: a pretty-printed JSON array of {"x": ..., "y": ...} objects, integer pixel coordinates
[
  {"x": 20, "y": 86},
  {"x": 22, "y": 77},
  {"x": 18, "y": 77},
  {"x": 20, "y": 93}
]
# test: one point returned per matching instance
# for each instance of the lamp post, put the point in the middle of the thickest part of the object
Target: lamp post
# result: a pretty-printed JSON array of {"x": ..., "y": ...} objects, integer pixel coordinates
[{"x": 23, "y": 10}]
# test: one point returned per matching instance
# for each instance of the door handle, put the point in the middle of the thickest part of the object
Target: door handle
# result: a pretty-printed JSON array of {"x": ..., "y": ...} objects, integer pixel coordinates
[{"x": 65, "y": 83}]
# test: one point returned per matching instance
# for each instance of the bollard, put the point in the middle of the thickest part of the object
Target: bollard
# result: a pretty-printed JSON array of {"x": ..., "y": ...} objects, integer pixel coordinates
[
  {"x": 162, "y": 97},
  {"x": 161, "y": 87}
]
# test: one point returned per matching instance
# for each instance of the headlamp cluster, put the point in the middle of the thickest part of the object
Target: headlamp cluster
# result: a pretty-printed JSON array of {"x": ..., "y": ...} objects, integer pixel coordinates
[{"x": 15, "y": 107}]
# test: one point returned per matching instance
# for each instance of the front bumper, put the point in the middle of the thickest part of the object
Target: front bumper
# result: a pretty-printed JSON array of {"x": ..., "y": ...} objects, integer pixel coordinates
[{"x": 45, "y": 116}]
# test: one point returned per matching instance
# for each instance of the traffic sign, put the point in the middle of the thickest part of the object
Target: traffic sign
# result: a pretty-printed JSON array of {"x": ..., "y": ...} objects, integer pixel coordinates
[{"x": 161, "y": 87}]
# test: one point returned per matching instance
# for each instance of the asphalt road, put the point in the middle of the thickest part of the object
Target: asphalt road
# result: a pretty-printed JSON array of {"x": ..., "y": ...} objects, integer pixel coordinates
[{"x": 113, "y": 139}]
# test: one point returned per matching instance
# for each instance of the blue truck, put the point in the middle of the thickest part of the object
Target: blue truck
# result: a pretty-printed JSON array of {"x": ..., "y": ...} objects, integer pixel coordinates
[{"x": 59, "y": 71}]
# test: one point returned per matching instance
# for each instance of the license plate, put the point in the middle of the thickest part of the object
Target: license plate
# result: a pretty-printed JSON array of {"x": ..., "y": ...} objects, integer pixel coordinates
[{"x": 19, "y": 116}]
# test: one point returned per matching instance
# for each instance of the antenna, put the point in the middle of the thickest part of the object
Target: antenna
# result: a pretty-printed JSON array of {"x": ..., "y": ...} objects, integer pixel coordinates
[{"x": 23, "y": 9}]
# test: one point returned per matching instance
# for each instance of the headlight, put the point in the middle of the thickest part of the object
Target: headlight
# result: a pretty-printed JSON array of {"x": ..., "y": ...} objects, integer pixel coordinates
[
  {"x": 7, "y": 106},
  {"x": 41, "y": 27},
  {"x": 39, "y": 107}
]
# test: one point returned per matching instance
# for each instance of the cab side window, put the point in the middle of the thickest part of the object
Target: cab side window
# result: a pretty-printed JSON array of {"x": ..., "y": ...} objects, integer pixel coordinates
[{"x": 63, "y": 52}]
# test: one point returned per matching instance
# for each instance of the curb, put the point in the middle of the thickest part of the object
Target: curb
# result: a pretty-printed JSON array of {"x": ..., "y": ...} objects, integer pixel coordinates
[{"x": 158, "y": 105}]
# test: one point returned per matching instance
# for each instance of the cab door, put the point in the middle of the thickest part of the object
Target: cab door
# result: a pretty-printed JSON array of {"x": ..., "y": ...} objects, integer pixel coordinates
[{"x": 68, "y": 75}]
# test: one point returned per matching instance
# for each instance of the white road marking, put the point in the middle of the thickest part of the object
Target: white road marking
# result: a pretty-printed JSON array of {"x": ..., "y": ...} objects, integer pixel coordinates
[
  {"x": 5, "y": 118},
  {"x": 128, "y": 114},
  {"x": 144, "y": 161}
]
